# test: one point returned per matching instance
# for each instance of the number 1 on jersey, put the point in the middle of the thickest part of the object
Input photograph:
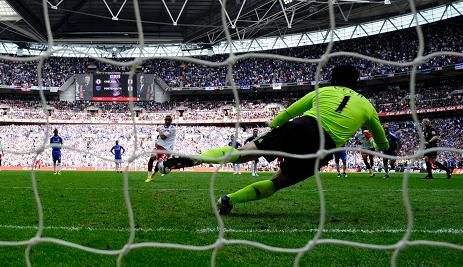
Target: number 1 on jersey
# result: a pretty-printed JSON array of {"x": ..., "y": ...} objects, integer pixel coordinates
[{"x": 343, "y": 104}]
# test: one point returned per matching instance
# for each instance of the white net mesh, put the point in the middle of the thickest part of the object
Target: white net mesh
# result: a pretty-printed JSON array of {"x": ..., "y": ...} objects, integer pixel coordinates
[{"x": 220, "y": 242}]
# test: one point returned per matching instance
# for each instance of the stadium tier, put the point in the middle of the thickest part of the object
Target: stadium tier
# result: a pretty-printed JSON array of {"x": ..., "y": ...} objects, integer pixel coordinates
[
  {"x": 436, "y": 96},
  {"x": 397, "y": 46},
  {"x": 95, "y": 139}
]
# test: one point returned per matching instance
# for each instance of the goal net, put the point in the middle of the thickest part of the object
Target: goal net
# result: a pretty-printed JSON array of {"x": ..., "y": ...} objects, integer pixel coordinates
[{"x": 221, "y": 241}]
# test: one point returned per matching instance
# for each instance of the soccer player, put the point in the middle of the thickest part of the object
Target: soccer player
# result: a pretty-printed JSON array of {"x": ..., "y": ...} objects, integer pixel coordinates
[
  {"x": 394, "y": 147},
  {"x": 366, "y": 141},
  {"x": 341, "y": 155},
  {"x": 118, "y": 151},
  {"x": 295, "y": 130},
  {"x": 164, "y": 141},
  {"x": 56, "y": 142},
  {"x": 38, "y": 164},
  {"x": 236, "y": 166},
  {"x": 431, "y": 136},
  {"x": 255, "y": 132}
]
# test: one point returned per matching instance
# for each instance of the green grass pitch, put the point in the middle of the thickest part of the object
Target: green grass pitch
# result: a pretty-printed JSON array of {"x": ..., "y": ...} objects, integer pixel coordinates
[{"x": 88, "y": 208}]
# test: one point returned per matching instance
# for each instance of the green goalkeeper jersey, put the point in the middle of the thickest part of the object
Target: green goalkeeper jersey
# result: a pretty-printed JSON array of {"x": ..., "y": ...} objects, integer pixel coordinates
[{"x": 342, "y": 112}]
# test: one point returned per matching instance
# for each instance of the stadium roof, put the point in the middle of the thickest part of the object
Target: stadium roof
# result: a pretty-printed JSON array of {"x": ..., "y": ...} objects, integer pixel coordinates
[{"x": 184, "y": 21}]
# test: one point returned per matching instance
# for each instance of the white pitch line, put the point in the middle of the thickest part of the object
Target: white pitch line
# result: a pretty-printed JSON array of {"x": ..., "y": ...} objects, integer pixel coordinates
[
  {"x": 106, "y": 188},
  {"x": 207, "y": 189},
  {"x": 336, "y": 230},
  {"x": 232, "y": 230}
]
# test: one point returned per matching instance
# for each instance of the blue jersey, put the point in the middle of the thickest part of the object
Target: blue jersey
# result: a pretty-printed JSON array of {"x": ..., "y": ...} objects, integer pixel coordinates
[
  {"x": 393, "y": 142},
  {"x": 118, "y": 151},
  {"x": 237, "y": 144},
  {"x": 340, "y": 155},
  {"x": 56, "y": 142}
]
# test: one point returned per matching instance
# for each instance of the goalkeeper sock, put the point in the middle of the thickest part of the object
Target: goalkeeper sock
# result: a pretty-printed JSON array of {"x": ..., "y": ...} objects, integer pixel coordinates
[
  {"x": 216, "y": 153},
  {"x": 255, "y": 191}
]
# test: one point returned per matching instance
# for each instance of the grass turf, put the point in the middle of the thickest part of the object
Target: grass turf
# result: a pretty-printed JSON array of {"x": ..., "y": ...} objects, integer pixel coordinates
[{"x": 88, "y": 208}]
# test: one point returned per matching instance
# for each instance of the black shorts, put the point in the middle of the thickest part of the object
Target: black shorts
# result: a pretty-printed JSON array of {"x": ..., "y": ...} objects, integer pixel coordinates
[
  {"x": 299, "y": 136},
  {"x": 432, "y": 155},
  {"x": 366, "y": 153},
  {"x": 391, "y": 152}
]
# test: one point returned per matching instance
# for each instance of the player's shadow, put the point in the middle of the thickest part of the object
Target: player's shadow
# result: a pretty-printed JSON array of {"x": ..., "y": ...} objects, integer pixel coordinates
[{"x": 272, "y": 215}]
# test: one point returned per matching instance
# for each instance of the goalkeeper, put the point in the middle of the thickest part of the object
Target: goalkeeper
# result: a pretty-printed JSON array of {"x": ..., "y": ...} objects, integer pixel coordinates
[{"x": 295, "y": 130}]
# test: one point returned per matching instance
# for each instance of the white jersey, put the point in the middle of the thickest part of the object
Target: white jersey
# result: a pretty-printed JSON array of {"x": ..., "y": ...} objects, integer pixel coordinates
[
  {"x": 170, "y": 133},
  {"x": 365, "y": 143}
]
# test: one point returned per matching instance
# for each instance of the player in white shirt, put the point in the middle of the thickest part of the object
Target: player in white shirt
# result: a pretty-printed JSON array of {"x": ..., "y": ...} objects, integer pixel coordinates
[
  {"x": 164, "y": 141},
  {"x": 365, "y": 139}
]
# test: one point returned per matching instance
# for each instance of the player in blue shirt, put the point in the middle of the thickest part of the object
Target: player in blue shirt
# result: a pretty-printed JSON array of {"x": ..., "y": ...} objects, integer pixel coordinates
[
  {"x": 118, "y": 151},
  {"x": 341, "y": 155},
  {"x": 56, "y": 142},
  {"x": 394, "y": 147}
]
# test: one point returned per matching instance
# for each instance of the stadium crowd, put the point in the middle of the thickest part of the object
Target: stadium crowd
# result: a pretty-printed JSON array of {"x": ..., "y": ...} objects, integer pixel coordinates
[
  {"x": 94, "y": 142},
  {"x": 110, "y": 112},
  {"x": 400, "y": 46},
  {"x": 81, "y": 141},
  {"x": 445, "y": 92}
]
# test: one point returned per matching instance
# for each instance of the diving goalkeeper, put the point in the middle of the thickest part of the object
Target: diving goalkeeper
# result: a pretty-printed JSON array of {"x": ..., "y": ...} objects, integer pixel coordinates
[{"x": 295, "y": 130}]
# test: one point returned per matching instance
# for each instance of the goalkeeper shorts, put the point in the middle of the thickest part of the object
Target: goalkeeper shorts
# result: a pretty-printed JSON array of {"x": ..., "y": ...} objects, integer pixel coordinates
[{"x": 299, "y": 136}]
